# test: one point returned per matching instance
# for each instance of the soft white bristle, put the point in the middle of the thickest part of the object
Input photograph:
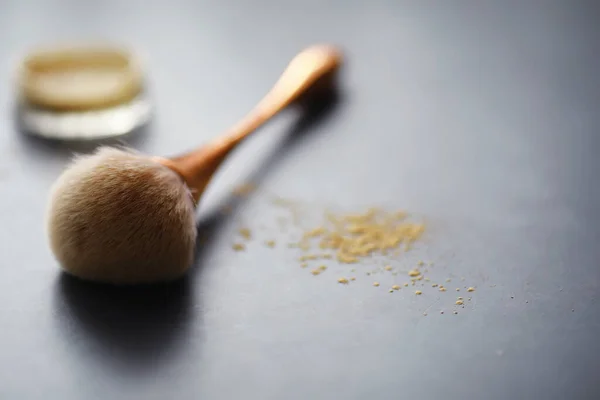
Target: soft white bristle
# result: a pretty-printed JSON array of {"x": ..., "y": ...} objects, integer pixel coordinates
[{"x": 119, "y": 217}]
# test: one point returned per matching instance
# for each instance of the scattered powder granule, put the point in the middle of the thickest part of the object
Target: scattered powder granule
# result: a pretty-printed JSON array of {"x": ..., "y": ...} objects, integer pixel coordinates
[
  {"x": 343, "y": 280},
  {"x": 353, "y": 278},
  {"x": 448, "y": 280},
  {"x": 458, "y": 289},
  {"x": 442, "y": 289},
  {"x": 323, "y": 267},
  {"x": 405, "y": 284},
  {"x": 238, "y": 247},
  {"x": 421, "y": 263},
  {"x": 414, "y": 272},
  {"x": 314, "y": 232},
  {"x": 459, "y": 298},
  {"x": 471, "y": 289},
  {"x": 270, "y": 243},
  {"x": 346, "y": 259},
  {"x": 434, "y": 285},
  {"x": 316, "y": 271},
  {"x": 418, "y": 292},
  {"x": 388, "y": 268},
  {"x": 375, "y": 283},
  {"x": 396, "y": 287},
  {"x": 245, "y": 233},
  {"x": 455, "y": 312},
  {"x": 459, "y": 302}
]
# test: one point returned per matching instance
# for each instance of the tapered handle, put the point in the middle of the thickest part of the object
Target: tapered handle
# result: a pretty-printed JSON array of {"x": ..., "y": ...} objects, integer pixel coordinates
[{"x": 198, "y": 166}]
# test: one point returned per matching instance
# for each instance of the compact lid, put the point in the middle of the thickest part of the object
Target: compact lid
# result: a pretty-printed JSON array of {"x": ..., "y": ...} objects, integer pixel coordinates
[{"x": 79, "y": 78}]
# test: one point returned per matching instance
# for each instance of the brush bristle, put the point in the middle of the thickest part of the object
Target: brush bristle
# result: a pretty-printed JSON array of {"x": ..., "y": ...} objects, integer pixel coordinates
[{"x": 119, "y": 217}]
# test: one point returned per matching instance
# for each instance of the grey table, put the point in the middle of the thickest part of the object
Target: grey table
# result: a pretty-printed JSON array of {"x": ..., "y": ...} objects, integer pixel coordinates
[{"x": 481, "y": 116}]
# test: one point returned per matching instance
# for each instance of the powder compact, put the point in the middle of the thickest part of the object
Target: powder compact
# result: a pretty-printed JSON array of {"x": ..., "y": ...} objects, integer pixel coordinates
[{"x": 81, "y": 93}]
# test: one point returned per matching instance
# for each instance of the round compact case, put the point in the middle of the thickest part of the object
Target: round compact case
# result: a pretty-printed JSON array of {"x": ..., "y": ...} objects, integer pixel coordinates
[{"x": 81, "y": 93}]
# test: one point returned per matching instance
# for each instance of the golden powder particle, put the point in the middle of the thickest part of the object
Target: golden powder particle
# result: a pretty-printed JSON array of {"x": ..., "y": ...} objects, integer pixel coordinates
[
  {"x": 316, "y": 271},
  {"x": 434, "y": 285},
  {"x": 442, "y": 289},
  {"x": 405, "y": 284},
  {"x": 459, "y": 302},
  {"x": 427, "y": 279},
  {"x": 346, "y": 259},
  {"x": 459, "y": 298},
  {"x": 245, "y": 233},
  {"x": 238, "y": 247},
  {"x": 309, "y": 257},
  {"x": 418, "y": 292},
  {"x": 323, "y": 267},
  {"x": 343, "y": 280},
  {"x": 421, "y": 263},
  {"x": 471, "y": 289},
  {"x": 270, "y": 243},
  {"x": 448, "y": 280},
  {"x": 458, "y": 289},
  {"x": 375, "y": 284},
  {"x": 314, "y": 232},
  {"x": 420, "y": 277},
  {"x": 388, "y": 268},
  {"x": 326, "y": 256},
  {"x": 391, "y": 290},
  {"x": 353, "y": 278},
  {"x": 414, "y": 272},
  {"x": 396, "y": 287}
]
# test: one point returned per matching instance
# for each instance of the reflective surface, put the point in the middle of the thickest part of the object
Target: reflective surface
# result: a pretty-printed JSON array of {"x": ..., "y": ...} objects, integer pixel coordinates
[
  {"x": 480, "y": 116},
  {"x": 85, "y": 125}
]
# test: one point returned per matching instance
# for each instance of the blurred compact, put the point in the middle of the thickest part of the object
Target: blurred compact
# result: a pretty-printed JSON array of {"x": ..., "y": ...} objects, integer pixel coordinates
[{"x": 81, "y": 93}]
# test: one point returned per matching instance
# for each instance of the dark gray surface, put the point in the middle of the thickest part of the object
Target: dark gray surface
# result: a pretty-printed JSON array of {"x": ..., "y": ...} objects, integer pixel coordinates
[{"x": 481, "y": 116}]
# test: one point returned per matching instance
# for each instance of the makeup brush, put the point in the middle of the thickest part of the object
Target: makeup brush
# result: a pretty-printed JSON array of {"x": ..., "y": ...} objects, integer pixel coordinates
[{"x": 121, "y": 217}]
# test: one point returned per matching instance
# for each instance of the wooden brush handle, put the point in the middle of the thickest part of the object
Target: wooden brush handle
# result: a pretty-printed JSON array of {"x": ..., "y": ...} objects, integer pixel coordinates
[{"x": 198, "y": 166}]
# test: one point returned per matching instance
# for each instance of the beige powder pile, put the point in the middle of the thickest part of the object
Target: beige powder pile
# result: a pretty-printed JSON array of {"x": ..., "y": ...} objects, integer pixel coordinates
[
  {"x": 372, "y": 238},
  {"x": 354, "y": 237}
]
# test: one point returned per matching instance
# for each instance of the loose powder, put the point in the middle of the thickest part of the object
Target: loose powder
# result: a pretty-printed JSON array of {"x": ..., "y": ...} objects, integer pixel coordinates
[{"x": 375, "y": 238}]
